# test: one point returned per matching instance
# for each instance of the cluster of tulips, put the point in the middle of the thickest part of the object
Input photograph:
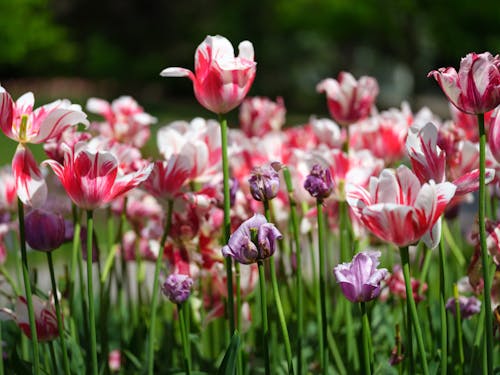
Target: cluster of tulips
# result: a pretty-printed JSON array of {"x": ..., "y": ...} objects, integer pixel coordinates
[{"x": 268, "y": 241}]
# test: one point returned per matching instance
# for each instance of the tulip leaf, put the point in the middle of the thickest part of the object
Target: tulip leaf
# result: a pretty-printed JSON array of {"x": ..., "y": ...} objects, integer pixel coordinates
[{"x": 228, "y": 365}]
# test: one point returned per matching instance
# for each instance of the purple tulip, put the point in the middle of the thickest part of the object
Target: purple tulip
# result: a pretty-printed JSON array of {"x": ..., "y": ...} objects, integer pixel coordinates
[
  {"x": 177, "y": 287},
  {"x": 360, "y": 279},
  {"x": 469, "y": 306},
  {"x": 254, "y": 240},
  {"x": 44, "y": 230},
  {"x": 265, "y": 182},
  {"x": 319, "y": 182}
]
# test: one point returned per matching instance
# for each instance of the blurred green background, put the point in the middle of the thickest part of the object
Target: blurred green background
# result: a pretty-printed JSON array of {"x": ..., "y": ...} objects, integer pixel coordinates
[{"x": 107, "y": 48}]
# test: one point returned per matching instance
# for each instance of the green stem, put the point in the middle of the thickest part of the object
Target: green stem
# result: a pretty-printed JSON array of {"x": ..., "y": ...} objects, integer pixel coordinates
[
  {"x": 366, "y": 339},
  {"x": 53, "y": 360},
  {"x": 322, "y": 283},
  {"x": 154, "y": 298},
  {"x": 281, "y": 315},
  {"x": 60, "y": 325},
  {"x": 442, "y": 300},
  {"x": 335, "y": 353},
  {"x": 455, "y": 249},
  {"x": 298, "y": 259},
  {"x": 5, "y": 273},
  {"x": 346, "y": 253},
  {"x": 263, "y": 309},
  {"x": 237, "y": 277},
  {"x": 227, "y": 223},
  {"x": 411, "y": 313},
  {"x": 488, "y": 318},
  {"x": 1, "y": 351},
  {"x": 458, "y": 323},
  {"x": 90, "y": 292},
  {"x": 184, "y": 338},
  {"x": 27, "y": 288}
]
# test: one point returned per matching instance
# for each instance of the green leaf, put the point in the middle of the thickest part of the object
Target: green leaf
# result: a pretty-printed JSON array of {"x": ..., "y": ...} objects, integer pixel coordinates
[{"x": 228, "y": 365}]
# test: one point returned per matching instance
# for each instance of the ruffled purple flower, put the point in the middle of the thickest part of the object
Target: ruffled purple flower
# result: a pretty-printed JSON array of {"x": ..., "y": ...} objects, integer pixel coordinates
[
  {"x": 319, "y": 182},
  {"x": 177, "y": 287},
  {"x": 254, "y": 240},
  {"x": 469, "y": 306},
  {"x": 265, "y": 182},
  {"x": 360, "y": 279}
]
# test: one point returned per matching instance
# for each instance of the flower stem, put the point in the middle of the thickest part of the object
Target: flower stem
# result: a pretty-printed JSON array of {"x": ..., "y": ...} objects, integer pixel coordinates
[
  {"x": 263, "y": 309},
  {"x": 90, "y": 292},
  {"x": 27, "y": 289},
  {"x": 154, "y": 298},
  {"x": 442, "y": 300},
  {"x": 488, "y": 318},
  {"x": 184, "y": 337},
  {"x": 322, "y": 284},
  {"x": 298, "y": 259},
  {"x": 411, "y": 308},
  {"x": 458, "y": 322},
  {"x": 60, "y": 325},
  {"x": 366, "y": 339},
  {"x": 227, "y": 222}
]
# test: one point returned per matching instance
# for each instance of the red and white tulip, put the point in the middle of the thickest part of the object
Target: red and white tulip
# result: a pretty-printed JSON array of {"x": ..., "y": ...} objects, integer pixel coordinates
[{"x": 220, "y": 80}]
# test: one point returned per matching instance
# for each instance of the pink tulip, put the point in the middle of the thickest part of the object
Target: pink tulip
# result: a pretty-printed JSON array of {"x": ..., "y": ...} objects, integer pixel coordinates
[
  {"x": 45, "y": 317},
  {"x": 221, "y": 81},
  {"x": 126, "y": 121},
  {"x": 398, "y": 208},
  {"x": 476, "y": 87},
  {"x": 91, "y": 178},
  {"x": 494, "y": 134},
  {"x": 8, "y": 200},
  {"x": 259, "y": 115},
  {"x": 349, "y": 100},
  {"x": 21, "y": 123},
  {"x": 167, "y": 177}
]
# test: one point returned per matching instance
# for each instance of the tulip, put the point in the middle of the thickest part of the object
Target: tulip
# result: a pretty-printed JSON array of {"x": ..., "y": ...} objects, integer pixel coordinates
[
  {"x": 221, "y": 81},
  {"x": 45, "y": 317},
  {"x": 349, "y": 100},
  {"x": 319, "y": 182},
  {"x": 259, "y": 116},
  {"x": 360, "y": 279},
  {"x": 254, "y": 240},
  {"x": 45, "y": 230},
  {"x": 475, "y": 89},
  {"x": 177, "y": 287},
  {"x": 21, "y": 123},
  {"x": 91, "y": 178},
  {"x": 265, "y": 182},
  {"x": 469, "y": 306},
  {"x": 398, "y": 208}
]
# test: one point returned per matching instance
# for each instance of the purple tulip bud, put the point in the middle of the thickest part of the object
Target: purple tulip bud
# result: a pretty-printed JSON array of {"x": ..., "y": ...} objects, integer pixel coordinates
[
  {"x": 319, "y": 182},
  {"x": 360, "y": 279},
  {"x": 44, "y": 230},
  {"x": 177, "y": 287},
  {"x": 469, "y": 306},
  {"x": 254, "y": 240},
  {"x": 265, "y": 182}
]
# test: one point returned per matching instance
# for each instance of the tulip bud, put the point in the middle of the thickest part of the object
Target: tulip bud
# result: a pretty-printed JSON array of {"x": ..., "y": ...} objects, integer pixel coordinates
[
  {"x": 265, "y": 182},
  {"x": 319, "y": 182},
  {"x": 45, "y": 231},
  {"x": 177, "y": 287},
  {"x": 469, "y": 306}
]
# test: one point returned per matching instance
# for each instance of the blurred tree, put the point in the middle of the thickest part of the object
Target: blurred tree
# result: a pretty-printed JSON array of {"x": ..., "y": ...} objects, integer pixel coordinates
[{"x": 31, "y": 40}]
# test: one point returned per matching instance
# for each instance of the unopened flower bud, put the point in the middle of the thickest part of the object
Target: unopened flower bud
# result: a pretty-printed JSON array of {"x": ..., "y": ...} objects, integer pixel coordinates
[
  {"x": 45, "y": 231},
  {"x": 177, "y": 287},
  {"x": 265, "y": 182},
  {"x": 319, "y": 182}
]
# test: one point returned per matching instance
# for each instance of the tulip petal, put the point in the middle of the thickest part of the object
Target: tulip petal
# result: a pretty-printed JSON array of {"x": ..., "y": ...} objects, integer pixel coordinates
[
  {"x": 6, "y": 113},
  {"x": 469, "y": 182},
  {"x": 178, "y": 72},
  {"x": 30, "y": 184}
]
